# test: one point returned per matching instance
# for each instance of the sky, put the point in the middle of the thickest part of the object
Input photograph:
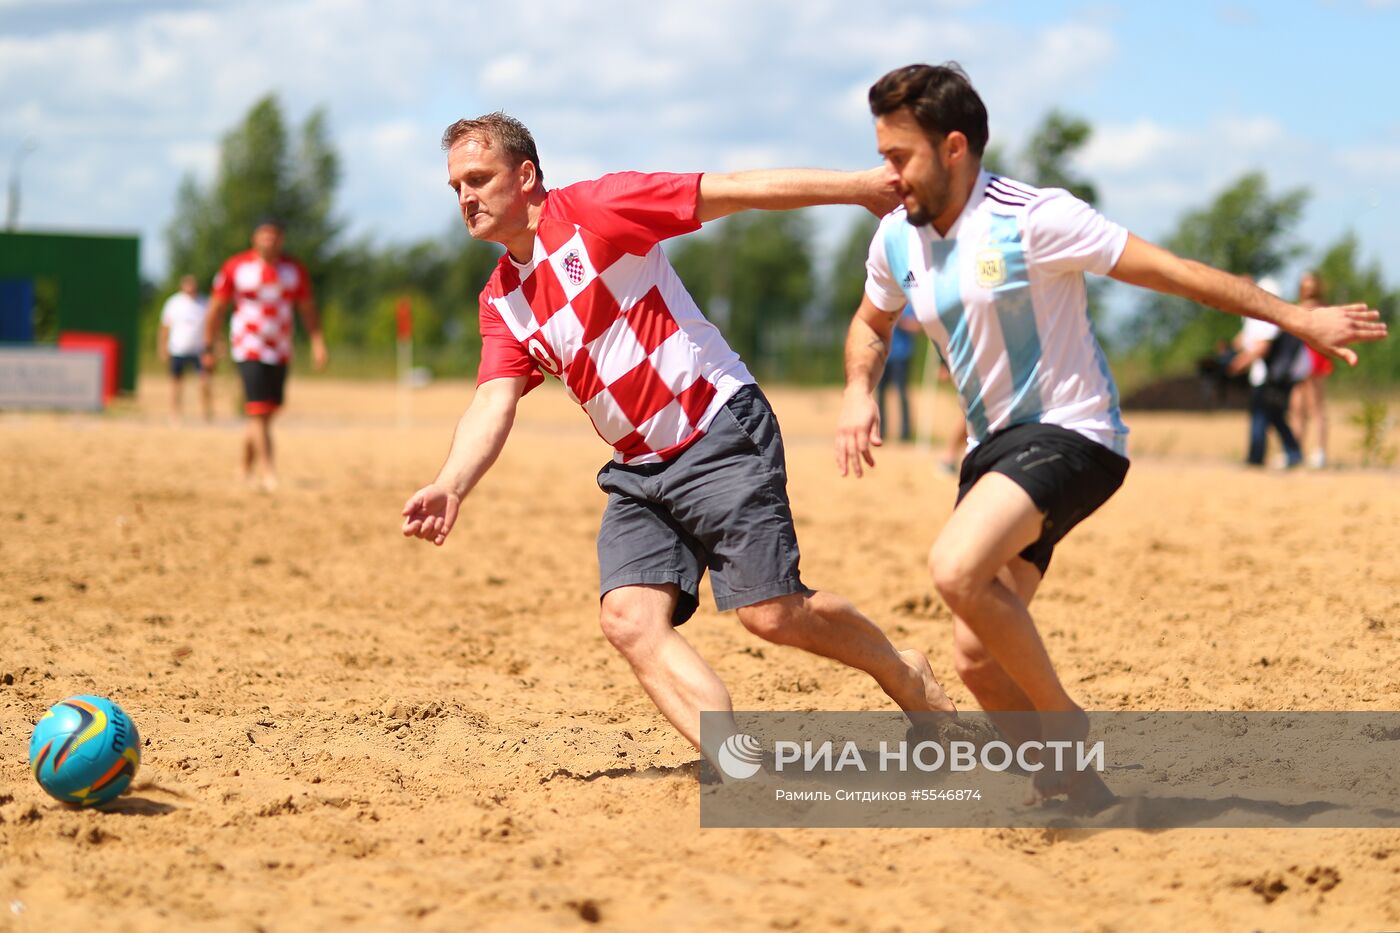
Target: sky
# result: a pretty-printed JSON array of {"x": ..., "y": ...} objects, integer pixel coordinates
[{"x": 121, "y": 98}]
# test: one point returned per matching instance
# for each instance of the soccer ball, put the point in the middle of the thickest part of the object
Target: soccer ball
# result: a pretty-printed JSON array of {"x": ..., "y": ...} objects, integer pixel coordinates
[{"x": 85, "y": 751}]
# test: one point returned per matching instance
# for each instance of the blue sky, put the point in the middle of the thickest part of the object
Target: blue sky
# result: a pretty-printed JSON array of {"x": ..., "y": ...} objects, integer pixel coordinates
[{"x": 124, "y": 96}]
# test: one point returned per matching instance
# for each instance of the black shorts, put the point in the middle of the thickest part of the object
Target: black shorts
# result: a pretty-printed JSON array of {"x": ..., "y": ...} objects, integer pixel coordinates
[
  {"x": 178, "y": 364},
  {"x": 263, "y": 386},
  {"x": 720, "y": 505},
  {"x": 1066, "y": 475}
]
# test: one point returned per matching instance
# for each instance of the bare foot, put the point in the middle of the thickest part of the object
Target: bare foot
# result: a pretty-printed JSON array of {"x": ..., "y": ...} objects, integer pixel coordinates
[
  {"x": 1085, "y": 790},
  {"x": 923, "y": 694},
  {"x": 269, "y": 483}
]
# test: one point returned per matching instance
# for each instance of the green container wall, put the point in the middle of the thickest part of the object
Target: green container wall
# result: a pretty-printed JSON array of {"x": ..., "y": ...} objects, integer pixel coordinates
[{"x": 99, "y": 283}]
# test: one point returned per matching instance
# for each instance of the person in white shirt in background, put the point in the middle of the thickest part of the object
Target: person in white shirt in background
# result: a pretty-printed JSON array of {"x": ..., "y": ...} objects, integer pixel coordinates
[
  {"x": 181, "y": 344},
  {"x": 1277, "y": 362}
]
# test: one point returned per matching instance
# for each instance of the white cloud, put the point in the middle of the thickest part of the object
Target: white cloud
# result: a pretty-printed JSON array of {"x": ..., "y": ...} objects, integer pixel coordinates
[
  {"x": 125, "y": 97},
  {"x": 1254, "y": 134},
  {"x": 1374, "y": 162},
  {"x": 1067, "y": 54},
  {"x": 1127, "y": 147},
  {"x": 125, "y": 102},
  {"x": 199, "y": 157}
]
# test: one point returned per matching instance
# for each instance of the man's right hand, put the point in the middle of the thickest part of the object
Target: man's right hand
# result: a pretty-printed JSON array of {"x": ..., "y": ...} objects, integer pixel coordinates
[
  {"x": 430, "y": 513},
  {"x": 857, "y": 432}
]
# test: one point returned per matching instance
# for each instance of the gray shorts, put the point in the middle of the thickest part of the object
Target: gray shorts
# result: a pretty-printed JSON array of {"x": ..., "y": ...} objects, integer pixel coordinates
[{"x": 721, "y": 504}]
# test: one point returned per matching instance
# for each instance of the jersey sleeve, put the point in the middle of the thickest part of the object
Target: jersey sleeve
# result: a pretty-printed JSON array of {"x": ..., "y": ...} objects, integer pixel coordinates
[
  {"x": 167, "y": 311},
  {"x": 880, "y": 285},
  {"x": 1066, "y": 235},
  {"x": 632, "y": 209},
  {"x": 302, "y": 292},
  {"x": 223, "y": 282},
  {"x": 502, "y": 356}
]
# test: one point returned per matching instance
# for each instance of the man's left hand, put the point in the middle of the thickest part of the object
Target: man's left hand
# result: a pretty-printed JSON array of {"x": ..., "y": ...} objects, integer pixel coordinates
[
  {"x": 319, "y": 356},
  {"x": 1330, "y": 330}
]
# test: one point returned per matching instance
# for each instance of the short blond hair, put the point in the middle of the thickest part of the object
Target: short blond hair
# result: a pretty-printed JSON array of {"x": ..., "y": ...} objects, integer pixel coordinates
[{"x": 497, "y": 129}]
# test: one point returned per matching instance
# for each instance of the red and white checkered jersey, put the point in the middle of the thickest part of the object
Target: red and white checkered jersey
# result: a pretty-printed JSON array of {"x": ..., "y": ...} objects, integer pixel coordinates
[
  {"x": 263, "y": 293},
  {"x": 599, "y": 307}
]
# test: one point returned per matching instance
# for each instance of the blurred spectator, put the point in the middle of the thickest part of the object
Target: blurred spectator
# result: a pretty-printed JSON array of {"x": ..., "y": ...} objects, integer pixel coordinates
[
  {"x": 1272, "y": 357},
  {"x": 897, "y": 372},
  {"x": 181, "y": 343},
  {"x": 1308, "y": 409}
]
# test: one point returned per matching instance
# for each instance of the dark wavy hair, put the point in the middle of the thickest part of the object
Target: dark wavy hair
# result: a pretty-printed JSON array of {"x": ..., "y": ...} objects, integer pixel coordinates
[{"x": 941, "y": 99}]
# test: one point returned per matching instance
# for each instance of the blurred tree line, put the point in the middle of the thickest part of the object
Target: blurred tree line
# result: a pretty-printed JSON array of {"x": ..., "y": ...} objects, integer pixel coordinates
[
  {"x": 760, "y": 276},
  {"x": 1250, "y": 230},
  {"x": 267, "y": 168}
]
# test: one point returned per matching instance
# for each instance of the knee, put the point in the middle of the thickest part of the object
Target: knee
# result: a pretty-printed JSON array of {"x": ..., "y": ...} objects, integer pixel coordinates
[
  {"x": 626, "y": 627},
  {"x": 954, "y": 580},
  {"x": 776, "y": 620}
]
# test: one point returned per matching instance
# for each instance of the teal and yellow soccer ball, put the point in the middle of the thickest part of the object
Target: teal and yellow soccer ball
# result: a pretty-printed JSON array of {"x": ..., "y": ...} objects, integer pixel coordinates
[{"x": 85, "y": 751}]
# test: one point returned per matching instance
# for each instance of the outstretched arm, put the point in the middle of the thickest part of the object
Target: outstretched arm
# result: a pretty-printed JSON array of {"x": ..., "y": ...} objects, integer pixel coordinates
[
  {"x": 431, "y": 512},
  {"x": 867, "y": 346},
  {"x": 1327, "y": 330},
  {"x": 784, "y": 189}
]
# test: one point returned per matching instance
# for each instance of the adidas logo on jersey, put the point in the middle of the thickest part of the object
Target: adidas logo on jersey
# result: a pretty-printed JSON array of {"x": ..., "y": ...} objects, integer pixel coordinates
[{"x": 909, "y": 279}]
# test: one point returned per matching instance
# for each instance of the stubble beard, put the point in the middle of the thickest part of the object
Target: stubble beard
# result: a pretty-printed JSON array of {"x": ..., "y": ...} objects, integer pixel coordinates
[{"x": 928, "y": 206}]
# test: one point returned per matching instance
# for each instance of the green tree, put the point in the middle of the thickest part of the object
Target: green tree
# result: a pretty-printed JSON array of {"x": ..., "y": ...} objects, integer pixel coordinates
[
  {"x": 1052, "y": 147},
  {"x": 260, "y": 174},
  {"x": 442, "y": 276},
  {"x": 753, "y": 275},
  {"x": 468, "y": 265},
  {"x": 1346, "y": 280},
  {"x": 1246, "y": 230},
  {"x": 847, "y": 282},
  {"x": 313, "y": 176},
  {"x": 1045, "y": 160},
  {"x": 996, "y": 161}
]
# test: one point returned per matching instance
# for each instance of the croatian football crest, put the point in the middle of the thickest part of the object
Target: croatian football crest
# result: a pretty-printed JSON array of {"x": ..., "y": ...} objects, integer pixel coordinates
[{"x": 573, "y": 267}]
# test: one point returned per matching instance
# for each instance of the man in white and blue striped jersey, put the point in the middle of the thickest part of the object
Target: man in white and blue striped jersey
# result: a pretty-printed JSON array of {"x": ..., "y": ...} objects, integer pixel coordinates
[{"x": 994, "y": 269}]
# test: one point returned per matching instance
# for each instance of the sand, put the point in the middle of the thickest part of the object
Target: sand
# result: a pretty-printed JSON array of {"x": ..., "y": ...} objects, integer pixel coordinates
[{"x": 348, "y": 729}]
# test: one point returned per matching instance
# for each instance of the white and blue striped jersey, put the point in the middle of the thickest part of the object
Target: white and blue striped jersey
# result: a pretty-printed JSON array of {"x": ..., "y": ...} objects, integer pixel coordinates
[{"x": 1002, "y": 298}]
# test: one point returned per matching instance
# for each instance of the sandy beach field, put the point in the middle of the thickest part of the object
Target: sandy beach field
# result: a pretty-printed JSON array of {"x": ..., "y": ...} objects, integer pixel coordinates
[{"x": 347, "y": 729}]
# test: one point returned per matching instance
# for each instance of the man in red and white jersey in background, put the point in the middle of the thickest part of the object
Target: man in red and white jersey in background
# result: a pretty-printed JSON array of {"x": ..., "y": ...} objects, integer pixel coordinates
[
  {"x": 263, "y": 285},
  {"x": 698, "y": 479}
]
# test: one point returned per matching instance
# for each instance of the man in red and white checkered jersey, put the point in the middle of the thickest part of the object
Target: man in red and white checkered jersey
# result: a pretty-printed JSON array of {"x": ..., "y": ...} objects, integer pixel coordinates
[
  {"x": 264, "y": 285},
  {"x": 598, "y": 305},
  {"x": 698, "y": 479}
]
